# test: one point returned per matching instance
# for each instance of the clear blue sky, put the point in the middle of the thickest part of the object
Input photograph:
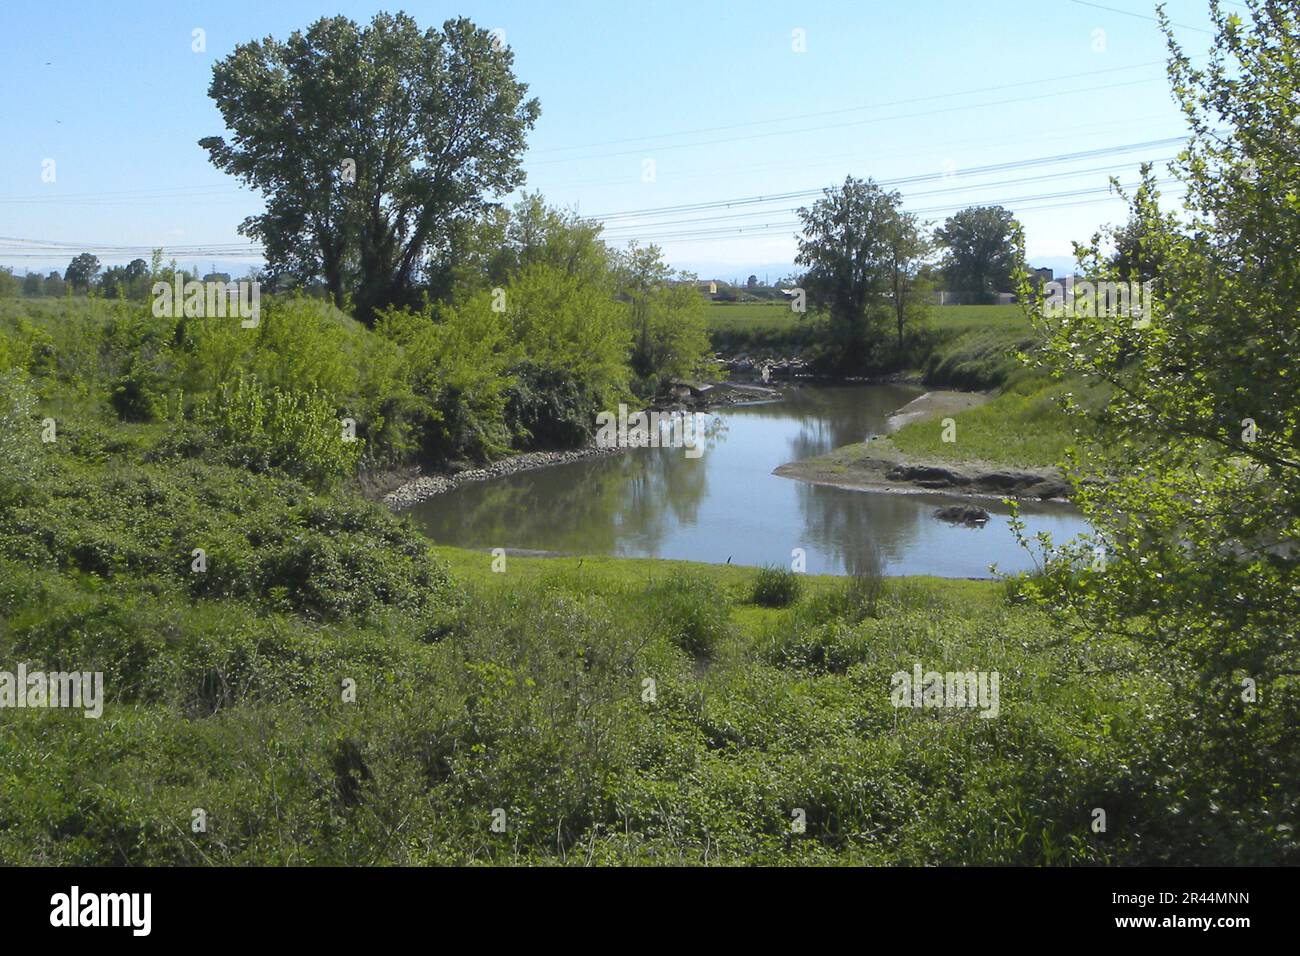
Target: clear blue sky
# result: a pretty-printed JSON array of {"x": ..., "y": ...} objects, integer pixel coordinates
[{"x": 713, "y": 93}]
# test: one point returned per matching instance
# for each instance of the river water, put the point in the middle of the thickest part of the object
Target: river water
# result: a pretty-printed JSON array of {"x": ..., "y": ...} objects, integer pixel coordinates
[{"x": 727, "y": 504}]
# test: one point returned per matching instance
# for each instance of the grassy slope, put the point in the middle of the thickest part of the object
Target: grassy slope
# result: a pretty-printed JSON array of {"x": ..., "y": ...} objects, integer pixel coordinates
[{"x": 1023, "y": 426}]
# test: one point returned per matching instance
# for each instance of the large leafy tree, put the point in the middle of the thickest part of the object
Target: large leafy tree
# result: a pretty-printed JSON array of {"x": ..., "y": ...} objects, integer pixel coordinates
[
  {"x": 373, "y": 146},
  {"x": 81, "y": 271},
  {"x": 979, "y": 252},
  {"x": 848, "y": 249},
  {"x": 1193, "y": 486}
]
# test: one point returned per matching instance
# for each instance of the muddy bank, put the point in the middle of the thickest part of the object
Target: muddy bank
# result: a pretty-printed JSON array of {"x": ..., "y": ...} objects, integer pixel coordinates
[{"x": 877, "y": 465}]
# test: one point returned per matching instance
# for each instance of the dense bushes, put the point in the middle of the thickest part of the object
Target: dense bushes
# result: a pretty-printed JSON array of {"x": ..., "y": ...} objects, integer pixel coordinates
[
  {"x": 547, "y": 703},
  {"x": 261, "y": 538},
  {"x": 19, "y": 442},
  {"x": 548, "y": 408},
  {"x": 526, "y": 364},
  {"x": 299, "y": 433}
]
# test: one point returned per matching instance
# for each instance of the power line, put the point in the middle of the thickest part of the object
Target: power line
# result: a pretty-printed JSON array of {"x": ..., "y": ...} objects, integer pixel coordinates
[
  {"x": 23, "y": 248},
  {"x": 815, "y": 129},
  {"x": 950, "y": 147},
  {"x": 854, "y": 109},
  {"x": 1140, "y": 16},
  {"x": 1013, "y": 202},
  {"x": 1068, "y": 174},
  {"x": 904, "y": 180},
  {"x": 777, "y": 230}
]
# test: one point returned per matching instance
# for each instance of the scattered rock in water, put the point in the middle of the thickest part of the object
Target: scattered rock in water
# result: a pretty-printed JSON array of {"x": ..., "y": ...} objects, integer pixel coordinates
[{"x": 969, "y": 515}]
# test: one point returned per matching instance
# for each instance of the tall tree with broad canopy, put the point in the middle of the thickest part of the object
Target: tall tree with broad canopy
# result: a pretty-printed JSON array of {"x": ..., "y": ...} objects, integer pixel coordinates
[
  {"x": 980, "y": 252},
  {"x": 373, "y": 146},
  {"x": 848, "y": 245},
  {"x": 1193, "y": 480}
]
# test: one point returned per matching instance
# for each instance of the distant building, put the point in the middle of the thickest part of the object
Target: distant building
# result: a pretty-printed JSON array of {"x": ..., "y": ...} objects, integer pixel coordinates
[{"x": 708, "y": 287}]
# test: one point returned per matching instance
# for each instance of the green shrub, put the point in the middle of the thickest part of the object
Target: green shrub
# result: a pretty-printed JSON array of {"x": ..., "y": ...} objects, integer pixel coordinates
[
  {"x": 550, "y": 408},
  {"x": 300, "y": 434},
  {"x": 135, "y": 395},
  {"x": 690, "y": 612},
  {"x": 20, "y": 445},
  {"x": 776, "y": 587}
]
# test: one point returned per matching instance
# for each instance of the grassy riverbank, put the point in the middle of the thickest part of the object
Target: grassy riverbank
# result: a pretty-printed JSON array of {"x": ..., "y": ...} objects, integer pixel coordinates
[
  {"x": 523, "y": 691},
  {"x": 292, "y": 675},
  {"x": 1023, "y": 426}
]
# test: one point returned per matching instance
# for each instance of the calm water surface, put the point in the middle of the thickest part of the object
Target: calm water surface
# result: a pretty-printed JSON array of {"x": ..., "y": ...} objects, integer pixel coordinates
[{"x": 656, "y": 502}]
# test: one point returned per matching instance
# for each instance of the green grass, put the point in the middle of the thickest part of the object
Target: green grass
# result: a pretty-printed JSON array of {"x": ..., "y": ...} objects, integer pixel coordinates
[
  {"x": 950, "y": 335},
  {"x": 1023, "y": 426},
  {"x": 751, "y": 316},
  {"x": 776, "y": 587},
  {"x": 963, "y": 318}
]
